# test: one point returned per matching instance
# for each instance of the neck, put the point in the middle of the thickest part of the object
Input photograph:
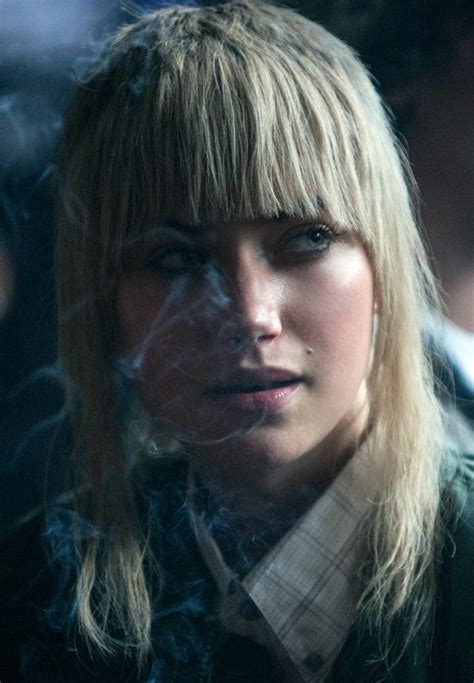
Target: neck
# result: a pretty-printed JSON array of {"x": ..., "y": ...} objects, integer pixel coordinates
[{"x": 290, "y": 487}]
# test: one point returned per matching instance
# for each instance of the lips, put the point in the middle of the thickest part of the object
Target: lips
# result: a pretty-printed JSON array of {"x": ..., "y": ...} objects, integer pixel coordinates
[
  {"x": 251, "y": 388},
  {"x": 254, "y": 381},
  {"x": 266, "y": 389}
]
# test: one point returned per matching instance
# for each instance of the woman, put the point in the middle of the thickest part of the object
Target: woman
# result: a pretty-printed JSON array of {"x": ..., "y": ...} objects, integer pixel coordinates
[{"x": 261, "y": 487}]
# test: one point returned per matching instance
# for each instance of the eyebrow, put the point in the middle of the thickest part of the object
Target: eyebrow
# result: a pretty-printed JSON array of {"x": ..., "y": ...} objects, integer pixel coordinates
[
  {"x": 168, "y": 228},
  {"x": 205, "y": 231},
  {"x": 192, "y": 229},
  {"x": 184, "y": 229}
]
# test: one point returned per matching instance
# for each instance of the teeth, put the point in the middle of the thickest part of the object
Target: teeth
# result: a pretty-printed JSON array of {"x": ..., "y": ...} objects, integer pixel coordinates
[
  {"x": 263, "y": 387},
  {"x": 247, "y": 389}
]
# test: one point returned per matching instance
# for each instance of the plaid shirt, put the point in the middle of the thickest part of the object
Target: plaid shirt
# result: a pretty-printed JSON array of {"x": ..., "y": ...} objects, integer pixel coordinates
[{"x": 299, "y": 599}]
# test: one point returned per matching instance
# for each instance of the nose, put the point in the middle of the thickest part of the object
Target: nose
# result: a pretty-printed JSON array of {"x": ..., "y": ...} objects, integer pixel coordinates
[{"x": 253, "y": 312}]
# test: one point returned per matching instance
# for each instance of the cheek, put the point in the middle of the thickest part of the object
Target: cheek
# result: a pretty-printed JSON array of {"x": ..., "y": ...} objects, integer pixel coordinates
[
  {"x": 146, "y": 320},
  {"x": 149, "y": 315},
  {"x": 327, "y": 308},
  {"x": 158, "y": 337},
  {"x": 335, "y": 316},
  {"x": 137, "y": 311}
]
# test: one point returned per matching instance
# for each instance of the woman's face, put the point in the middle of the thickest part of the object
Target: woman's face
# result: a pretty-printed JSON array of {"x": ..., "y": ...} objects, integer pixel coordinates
[{"x": 251, "y": 340}]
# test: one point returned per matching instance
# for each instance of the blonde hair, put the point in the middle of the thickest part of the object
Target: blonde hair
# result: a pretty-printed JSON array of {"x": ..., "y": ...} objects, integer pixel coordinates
[{"x": 241, "y": 110}]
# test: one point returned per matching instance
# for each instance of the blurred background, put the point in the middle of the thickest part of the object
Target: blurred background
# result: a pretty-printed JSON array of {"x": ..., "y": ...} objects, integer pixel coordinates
[{"x": 421, "y": 55}]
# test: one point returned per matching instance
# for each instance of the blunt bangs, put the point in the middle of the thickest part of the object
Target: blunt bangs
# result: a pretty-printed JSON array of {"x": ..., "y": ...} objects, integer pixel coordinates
[{"x": 230, "y": 126}]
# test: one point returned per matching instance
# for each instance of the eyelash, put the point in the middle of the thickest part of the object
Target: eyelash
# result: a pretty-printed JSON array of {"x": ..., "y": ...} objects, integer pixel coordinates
[
  {"x": 157, "y": 260},
  {"x": 198, "y": 260},
  {"x": 328, "y": 235}
]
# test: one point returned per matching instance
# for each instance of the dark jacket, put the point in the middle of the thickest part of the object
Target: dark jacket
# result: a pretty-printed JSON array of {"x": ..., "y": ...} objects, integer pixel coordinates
[{"x": 38, "y": 641}]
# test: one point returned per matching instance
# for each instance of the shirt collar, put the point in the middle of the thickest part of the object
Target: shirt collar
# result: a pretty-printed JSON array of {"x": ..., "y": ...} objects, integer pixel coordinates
[{"x": 307, "y": 586}]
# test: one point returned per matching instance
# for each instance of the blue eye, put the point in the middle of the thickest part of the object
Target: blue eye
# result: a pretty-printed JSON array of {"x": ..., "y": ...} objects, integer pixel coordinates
[
  {"x": 315, "y": 238},
  {"x": 178, "y": 260}
]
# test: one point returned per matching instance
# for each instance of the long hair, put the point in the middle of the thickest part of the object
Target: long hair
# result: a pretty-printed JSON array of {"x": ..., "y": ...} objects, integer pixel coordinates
[{"x": 240, "y": 110}]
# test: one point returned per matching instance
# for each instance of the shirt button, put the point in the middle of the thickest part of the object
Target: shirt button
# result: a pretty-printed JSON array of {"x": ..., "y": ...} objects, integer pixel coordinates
[
  {"x": 313, "y": 661},
  {"x": 249, "y": 610}
]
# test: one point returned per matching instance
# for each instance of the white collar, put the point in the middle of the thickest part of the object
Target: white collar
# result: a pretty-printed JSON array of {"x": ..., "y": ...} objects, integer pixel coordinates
[{"x": 307, "y": 586}]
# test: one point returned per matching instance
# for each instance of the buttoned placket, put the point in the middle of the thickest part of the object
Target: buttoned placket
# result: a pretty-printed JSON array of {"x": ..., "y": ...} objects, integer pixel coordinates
[{"x": 237, "y": 612}]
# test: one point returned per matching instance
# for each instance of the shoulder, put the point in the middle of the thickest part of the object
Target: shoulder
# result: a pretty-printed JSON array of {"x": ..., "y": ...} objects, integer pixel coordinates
[
  {"x": 25, "y": 566},
  {"x": 455, "y": 615},
  {"x": 25, "y": 590},
  {"x": 38, "y": 639},
  {"x": 37, "y": 570},
  {"x": 38, "y": 564},
  {"x": 458, "y": 503},
  {"x": 452, "y": 654}
]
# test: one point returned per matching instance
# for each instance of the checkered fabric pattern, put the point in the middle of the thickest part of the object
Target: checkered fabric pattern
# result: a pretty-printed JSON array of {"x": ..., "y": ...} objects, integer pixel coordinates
[{"x": 299, "y": 599}]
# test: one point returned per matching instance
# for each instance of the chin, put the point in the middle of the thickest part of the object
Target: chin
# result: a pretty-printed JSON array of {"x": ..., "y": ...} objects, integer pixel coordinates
[{"x": 245, "y": 456}]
